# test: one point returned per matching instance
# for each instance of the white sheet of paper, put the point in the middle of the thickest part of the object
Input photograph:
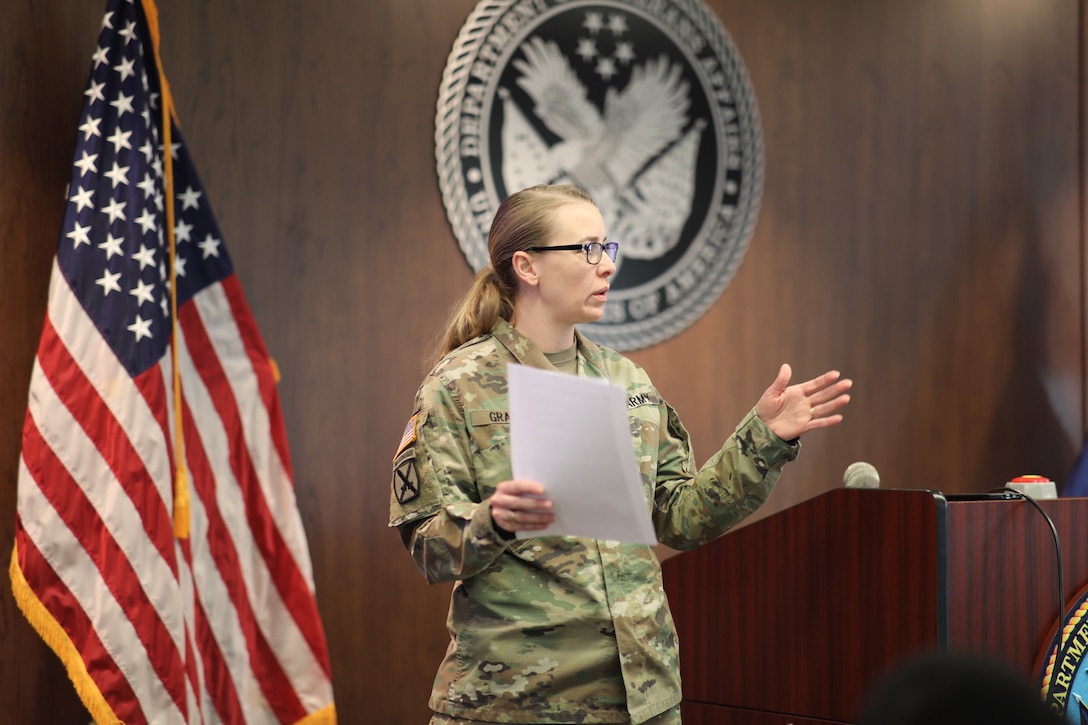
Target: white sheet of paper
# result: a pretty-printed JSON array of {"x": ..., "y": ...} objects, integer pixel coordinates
[{"x": 572, "y": 435}]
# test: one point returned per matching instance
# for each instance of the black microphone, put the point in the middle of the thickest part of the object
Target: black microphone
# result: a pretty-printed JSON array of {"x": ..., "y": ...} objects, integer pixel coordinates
[{"x": 861, "y": 475}]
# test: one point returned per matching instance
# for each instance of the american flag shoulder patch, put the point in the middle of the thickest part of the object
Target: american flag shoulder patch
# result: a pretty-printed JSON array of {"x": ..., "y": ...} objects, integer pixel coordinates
[{"x": 408, "y": 437}]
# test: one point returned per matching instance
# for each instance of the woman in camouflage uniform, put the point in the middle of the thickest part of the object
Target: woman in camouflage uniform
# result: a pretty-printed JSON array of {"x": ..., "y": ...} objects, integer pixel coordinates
[{"x": 558, "y": 629}]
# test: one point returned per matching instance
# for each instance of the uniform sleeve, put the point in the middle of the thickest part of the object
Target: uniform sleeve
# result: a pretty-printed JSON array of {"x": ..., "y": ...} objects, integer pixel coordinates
[
  {"x": 690, "y": 510},
  {"x": 435, "y": 503}
]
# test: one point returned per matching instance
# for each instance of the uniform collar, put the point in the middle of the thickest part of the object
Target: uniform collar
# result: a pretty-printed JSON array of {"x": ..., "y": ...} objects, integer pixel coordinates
[{"x": 527, "y": 353}]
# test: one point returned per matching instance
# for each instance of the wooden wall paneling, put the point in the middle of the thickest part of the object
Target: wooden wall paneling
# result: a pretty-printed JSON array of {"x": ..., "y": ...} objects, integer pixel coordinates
[
  {"x": 921, "y": 210},
  {"x": 916, "y": 233}
]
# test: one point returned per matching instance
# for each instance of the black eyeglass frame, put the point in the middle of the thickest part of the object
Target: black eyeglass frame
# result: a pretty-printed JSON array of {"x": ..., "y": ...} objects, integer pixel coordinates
[{"x": 591, "y": 250}]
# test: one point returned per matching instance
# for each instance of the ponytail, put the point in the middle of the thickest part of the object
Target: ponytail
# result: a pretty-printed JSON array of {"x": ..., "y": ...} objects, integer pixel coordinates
[{"x": 487, "y": 301}]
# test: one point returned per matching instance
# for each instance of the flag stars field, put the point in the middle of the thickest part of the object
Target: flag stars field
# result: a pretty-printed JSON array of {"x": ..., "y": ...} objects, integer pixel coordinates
[
  {"x": 147, "y": 221},
  {"x": 119, "y": 139},
  {"x": 118, "y": 175},
  {"x": 86, "y": 164},
  {"x": 146, "y": 256},
  {"x": 123, "y": 104},
  {"x": 124, "y": 69},
  {"x": 181, "y": 231},
  {"x": 108, "y": 282},
  {"x": 115, "y": 210},
  {"x": 90, "y": 128},
  {"x": 82, "y": 199},
  {"x": 147, "y": 185},
  {"x": 190, "y": 199},
  {"x": 141, "y": 328},
  {"x": 100, "y": 57},
  {"x": 142, "y": 292},
  {"x": 111, "y": 246},
  {"x": 78, "y": 235},
  {"x": 210, "y": 247},
  {"x": 94, "y": 92}
]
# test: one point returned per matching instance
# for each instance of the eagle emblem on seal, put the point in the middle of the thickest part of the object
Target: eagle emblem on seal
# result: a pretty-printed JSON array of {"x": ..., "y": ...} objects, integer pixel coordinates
[
  {"x": 635, "y": 156},
  {"x": 644, "y": 104}
]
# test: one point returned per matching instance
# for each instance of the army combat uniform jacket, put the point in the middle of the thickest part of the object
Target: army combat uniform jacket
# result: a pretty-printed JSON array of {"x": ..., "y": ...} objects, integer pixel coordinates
[{"x": 558, "y": 629}]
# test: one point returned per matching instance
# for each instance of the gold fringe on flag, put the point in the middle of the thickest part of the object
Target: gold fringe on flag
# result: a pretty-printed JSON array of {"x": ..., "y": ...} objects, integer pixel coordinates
[
  {"x": 57, "y": 639},
  {"x": 324, "y": 716}
]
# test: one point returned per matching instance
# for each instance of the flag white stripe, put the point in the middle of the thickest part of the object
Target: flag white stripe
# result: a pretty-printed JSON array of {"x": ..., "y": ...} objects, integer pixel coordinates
[
  {"x": 82, "y": 459},
  {"x": 221, "y": 616},
  {"x": 196, "y": 692},
  {"x": 194, "y": 697},
  {"x": 99, "y": 364},
  {"x": 127, "y": 404},
  {"x": 75, "y": 568},
  {"x": 272, "y": 616},
  {"x": 209, "y": 581},
  {"x": 112, "y": 382},
  {"x": 279, "y": 492}
]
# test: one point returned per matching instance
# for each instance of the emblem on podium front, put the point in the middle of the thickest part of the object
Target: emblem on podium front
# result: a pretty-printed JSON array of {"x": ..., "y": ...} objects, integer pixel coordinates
[{"x": 1063, "y": 677}]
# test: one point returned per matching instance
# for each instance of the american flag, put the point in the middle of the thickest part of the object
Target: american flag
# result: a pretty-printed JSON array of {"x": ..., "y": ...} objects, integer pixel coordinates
[{"x": 219, "y": 626}]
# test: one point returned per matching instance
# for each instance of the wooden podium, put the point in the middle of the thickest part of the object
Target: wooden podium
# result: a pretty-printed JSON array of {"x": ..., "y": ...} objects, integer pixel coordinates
[{"x": 792, "y": 618}]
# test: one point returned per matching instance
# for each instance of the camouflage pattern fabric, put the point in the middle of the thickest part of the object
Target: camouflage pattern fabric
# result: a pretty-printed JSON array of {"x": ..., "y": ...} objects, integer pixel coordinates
[
  {"x": 670, "y": 717},
  {"x": 558, "y": 629}
]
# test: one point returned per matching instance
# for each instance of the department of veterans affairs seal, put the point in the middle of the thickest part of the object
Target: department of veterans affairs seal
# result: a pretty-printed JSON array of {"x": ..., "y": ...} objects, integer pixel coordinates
[
  {"x": 1063, "y": 676},
  {"x": 647, "y": 106}
]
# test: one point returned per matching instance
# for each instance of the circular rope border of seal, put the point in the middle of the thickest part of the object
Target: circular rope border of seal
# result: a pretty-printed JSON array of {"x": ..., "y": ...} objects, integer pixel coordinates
[{"x": 630, "y": 335}]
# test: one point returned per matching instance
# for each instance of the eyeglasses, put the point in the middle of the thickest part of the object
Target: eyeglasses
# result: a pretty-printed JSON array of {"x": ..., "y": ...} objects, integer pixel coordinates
[{"x": 593, "y": 250}]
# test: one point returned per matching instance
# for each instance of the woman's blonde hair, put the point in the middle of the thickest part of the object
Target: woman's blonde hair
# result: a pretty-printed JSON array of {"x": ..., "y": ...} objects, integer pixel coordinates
[{"x": 524, "y": 219}]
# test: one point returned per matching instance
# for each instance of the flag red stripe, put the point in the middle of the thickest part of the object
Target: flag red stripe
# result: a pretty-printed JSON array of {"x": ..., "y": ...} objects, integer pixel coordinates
[
  {"x": 219, "y": 685},
  {"x": 66, "y": 610},
  {"x": 291, "y": 584},
  {"x": 114, "y": 568},
  {"x": 262, "y": 367},
  {"x": 152, "y": 386},
  {"x": 192, "y": 665},
  {"x": 270, "y": 676},
  {"x": 150, "y": 424},
  {"x": 82, "y": 400},
  {"x": 217, "y": 682},
  {"x": 196, "y": 715}
]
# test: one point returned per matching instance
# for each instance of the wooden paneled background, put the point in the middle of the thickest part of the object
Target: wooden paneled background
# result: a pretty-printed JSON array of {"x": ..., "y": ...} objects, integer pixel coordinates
[{"x": 922, "y": 230}]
